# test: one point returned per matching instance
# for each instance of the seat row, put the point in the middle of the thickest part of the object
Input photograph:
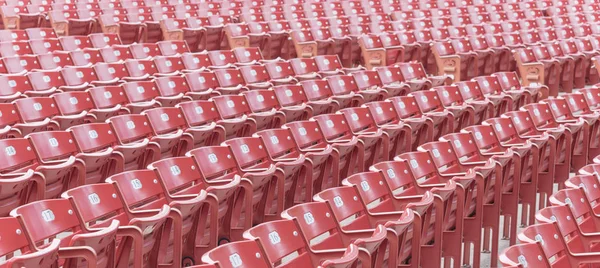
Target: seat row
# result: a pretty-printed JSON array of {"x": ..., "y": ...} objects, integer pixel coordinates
[
  {"x": 272, "y": 170},
  {"x": 530, "y": 140},
  {"x": 565, "y": 232}
]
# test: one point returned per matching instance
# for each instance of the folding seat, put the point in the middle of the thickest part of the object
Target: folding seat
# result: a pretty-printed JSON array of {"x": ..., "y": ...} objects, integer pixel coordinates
[
  {"x": 187, "y": 29},
  {"x": 501, "y": 57},
  {"x": 249, "y": 56},
  {"x": 71, "y": 22},
  {"x": 40, "y": 33},
  {"x": 568, "y": 64},
  {"x": 157, "y": 222},
  {"x": 168, "y": 65},
  {"x": 222, "y": 59},
  {"x": 95, "y": 143},
  {"x": 364, "y": 83},
  {"x": 286, "y": 181},
  {"x": 197, "y": 61},
  {"x": 306, "y": 45},
  {"x": 426, "y": 235},
  {"x": 578, "y": 107},
  {"x": 491, "y": 90},
  {"x": 107, "y": 102},
  {"x": 592, "y": 96},
  {"x": 54, "y": 61},
  {"x": 110, "y": 73},
  {"x": 169, "y": 130},
  {"x": 517, "y": 130},
  {"x": 43, "y": 46},
  {"x": 77, "y": 78},
  {"x": 129, "y": 31},
  {"x": 280, "y": 72},
  {"x": 369, "y": 237},
  {"x": 242, "y": 253},
  {"x": 483, "y": 58},
  {"x": 14, "y": 35},
  {"x": 30, "y": 256},
  {"x": 530, "y": 253},
  {"x": 319, "y": 95},
  {"x": 414, "y": 75},
  {"x": 238, "y": 119},
  {"x": 533, "y": 71},
  {"x": 239, "y": 35},
  {"x": 43, "y": 83},
  {"x": 412, "y": 49},
  {"x": 15, "y": 87},
  {"x": 573, "y": 59},
  {"x": 458, "y": 65},
  {"x": 266, "y": 182},
  {"x": 144, "y": 51},
  {"x": 73, "y": 109},
  {"x": 8, "y": 119},
  {"x": 389, "y": 85},
  {"x": 306, "y": 69},
  {"x": 255, "y": 77},
  {"x": 285, "y": 249},
  {"x": 194, "y": 209},
  {"x": 11, "y": 48},
  {"x": 72, "y": 43},
  {"x": 571, "y": 253},
  {"x": 81, "y": 246},
  {"x": 141, "y": 96},
  {"x": 373, "y": 145},
  {"x": 511, "y": 84},
  {"x": 329, "y": 65},
  {"x": 457, "y": 32},
  {"x": 85, "y": 57},
  {"x": 202, "y": 85},
  {"x": 140, "y": 70},
  {"x": 582, "y": 48},
  {"x": 230, "y": 81},
  {"x": 18, "y": 17},
  {"x": 581, "y": 233},
  {"x": 36, "y": 115},
  {"x": 21, "y": 183},
  {"x": 291, "y": 101},
  {"x": 136, "y": 141},
  {"x": 421, "y": 125},
  {"x": 188, "y": 184},
  {"x": 56, "y": 161},
  {"x": 172, "y": 90},
  {"x": 439, "y": 34},
  {"x": 451, "y": 98},
  {"x": 172, "y": 47},
  {"x": 429, "y": 105},
  {"x": 573, "y": 134},
  {"x": 200, "y": 118},
  {"x": 375, "y": 55}
]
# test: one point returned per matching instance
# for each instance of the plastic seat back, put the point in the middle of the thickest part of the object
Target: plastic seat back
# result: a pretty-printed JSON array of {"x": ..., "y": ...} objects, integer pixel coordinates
[
  {"x": 58, "y": 216},
  {"x": 199, "y": 113},
  {"x": 131, "y": 128},
  {"x": 222, "y": 58},
  {"x": 231, "y": 106},
  {"x": 16, "y": 240},
  {"x": 240, "y": 254},
  {"x": 229, "y": 77},
  {"x": 144, "y": 50},
  {"x": 36, "y": 109},
  {"x": 524, "y": 254},
  {"x": 277, "y": 241},
  {"x": 552, "y": 247}
]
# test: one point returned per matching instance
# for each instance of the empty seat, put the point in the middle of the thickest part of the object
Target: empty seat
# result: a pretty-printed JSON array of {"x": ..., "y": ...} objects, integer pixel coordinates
[
  {"x": 140, "y": 250},
  {"x": 84, "y": 245},
  {"x": 133, "y": 136},
  {"x": 36, "y": 115}
]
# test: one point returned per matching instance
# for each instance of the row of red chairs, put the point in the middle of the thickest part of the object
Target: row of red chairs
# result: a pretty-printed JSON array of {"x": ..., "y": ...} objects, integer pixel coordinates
[
  {"x": 565, "y": 232},
  {"x": 254, "y": 167},
  {"x": 438, "y": 163}
]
